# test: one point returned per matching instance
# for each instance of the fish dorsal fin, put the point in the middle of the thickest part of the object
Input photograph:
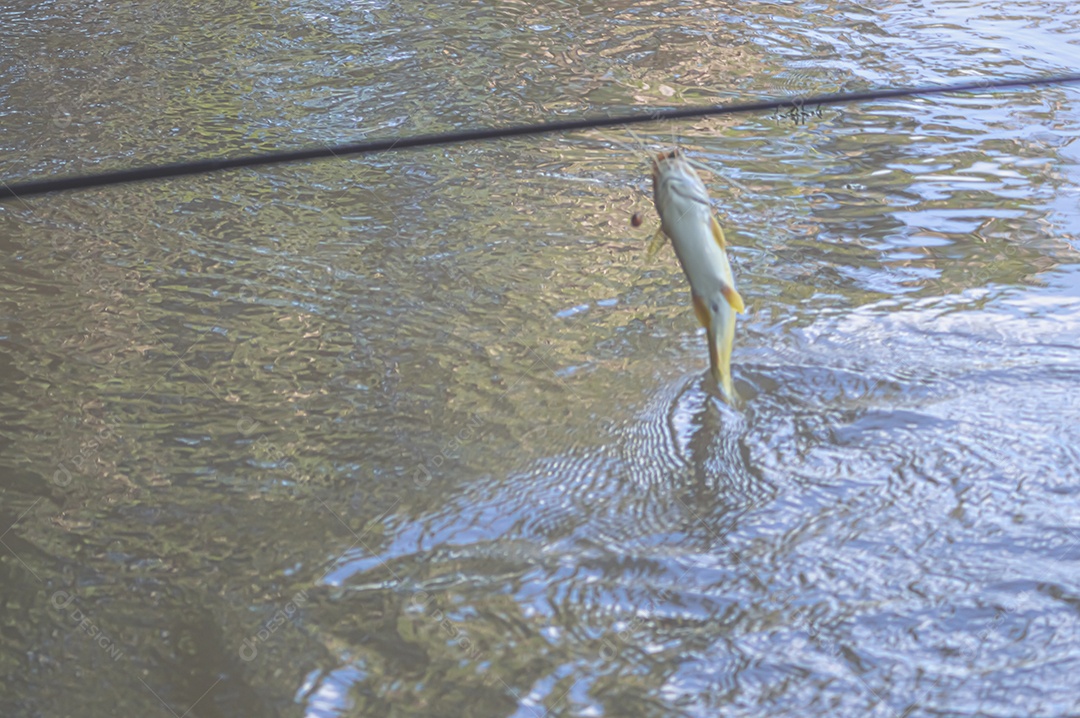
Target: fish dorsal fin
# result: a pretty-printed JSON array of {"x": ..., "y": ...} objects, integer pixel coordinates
[{"x": 717, "y": 233}]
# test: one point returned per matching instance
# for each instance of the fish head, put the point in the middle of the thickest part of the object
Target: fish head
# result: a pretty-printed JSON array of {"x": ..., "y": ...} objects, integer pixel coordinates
[
  {"x": 662, "y": 163},
  {"x": 677, "y": 188}
]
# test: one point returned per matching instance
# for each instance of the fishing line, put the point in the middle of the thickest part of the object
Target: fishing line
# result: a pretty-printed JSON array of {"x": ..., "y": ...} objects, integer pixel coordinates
[{"x": 794, "y": 104}]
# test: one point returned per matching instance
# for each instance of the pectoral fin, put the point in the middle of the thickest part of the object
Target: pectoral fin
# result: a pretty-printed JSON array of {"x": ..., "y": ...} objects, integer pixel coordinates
[
  {"x": 733, "y": 299},
  {"x": 655, "y": 244}
]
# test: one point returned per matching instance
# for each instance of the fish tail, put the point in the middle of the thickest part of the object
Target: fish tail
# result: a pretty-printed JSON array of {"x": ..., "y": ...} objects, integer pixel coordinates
[{"x": 721, "y": 336}]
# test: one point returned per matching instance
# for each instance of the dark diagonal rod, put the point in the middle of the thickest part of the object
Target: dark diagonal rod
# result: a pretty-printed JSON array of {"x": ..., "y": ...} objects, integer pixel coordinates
[{"x": 138, "y": 174}]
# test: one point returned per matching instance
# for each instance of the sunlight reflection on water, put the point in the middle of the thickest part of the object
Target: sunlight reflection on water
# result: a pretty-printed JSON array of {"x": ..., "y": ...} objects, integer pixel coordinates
[{"x": 445, "y": 394}]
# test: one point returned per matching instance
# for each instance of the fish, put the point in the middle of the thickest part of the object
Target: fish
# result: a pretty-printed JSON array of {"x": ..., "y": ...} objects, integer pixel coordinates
[{"x": 687, "y": 219}]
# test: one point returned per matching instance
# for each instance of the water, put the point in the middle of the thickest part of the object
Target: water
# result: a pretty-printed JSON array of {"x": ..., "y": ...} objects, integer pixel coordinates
[{"x": 427, "y": 434}]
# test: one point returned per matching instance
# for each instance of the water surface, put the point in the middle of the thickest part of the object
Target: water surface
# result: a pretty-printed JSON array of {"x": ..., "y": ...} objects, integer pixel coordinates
[{"x": 426, "y": 433}]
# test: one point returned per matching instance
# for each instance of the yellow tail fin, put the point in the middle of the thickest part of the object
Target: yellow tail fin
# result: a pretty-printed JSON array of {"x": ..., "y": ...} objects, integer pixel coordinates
[{"x": 720, "y": 365}]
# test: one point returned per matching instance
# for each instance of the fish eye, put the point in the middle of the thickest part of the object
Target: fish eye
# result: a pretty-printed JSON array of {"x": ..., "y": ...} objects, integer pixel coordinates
[{"x": 673, "y": 154}]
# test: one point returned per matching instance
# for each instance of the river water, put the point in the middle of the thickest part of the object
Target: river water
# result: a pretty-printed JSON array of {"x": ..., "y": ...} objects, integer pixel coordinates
[{"x": 427, "y": 434}]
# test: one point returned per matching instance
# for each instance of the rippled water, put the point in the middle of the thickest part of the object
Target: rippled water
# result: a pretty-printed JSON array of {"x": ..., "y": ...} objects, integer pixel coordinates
[{"x": 428, "y": 434}]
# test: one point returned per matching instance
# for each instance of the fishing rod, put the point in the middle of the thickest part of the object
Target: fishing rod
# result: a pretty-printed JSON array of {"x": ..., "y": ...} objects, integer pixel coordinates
[{"x": 19, "y": 190}]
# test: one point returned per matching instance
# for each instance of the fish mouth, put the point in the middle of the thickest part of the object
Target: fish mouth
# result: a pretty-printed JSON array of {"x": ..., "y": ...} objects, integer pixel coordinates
[{"x": 664, "y": 158}]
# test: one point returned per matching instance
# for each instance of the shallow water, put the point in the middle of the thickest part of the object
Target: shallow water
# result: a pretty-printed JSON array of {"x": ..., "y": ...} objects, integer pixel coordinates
[{"x": 427, "y": 433}]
